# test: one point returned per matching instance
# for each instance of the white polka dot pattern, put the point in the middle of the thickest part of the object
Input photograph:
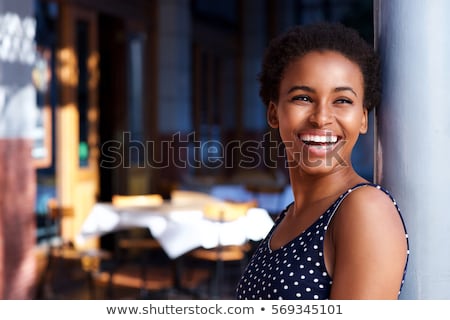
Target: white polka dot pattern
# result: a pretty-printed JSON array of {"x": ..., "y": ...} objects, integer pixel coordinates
[{"x": 297, "y": 269}]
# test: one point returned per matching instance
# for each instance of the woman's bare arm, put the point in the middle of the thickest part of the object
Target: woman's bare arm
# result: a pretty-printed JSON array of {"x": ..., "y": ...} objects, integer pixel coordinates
[{"x": 370, "y": 248}]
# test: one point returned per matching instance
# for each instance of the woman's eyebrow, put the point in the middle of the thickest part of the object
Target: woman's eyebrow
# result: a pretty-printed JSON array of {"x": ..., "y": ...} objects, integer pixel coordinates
[
  {"x": 338, "y": 89},
  {"x": 309, "y": 89},
  {"x": 304, "y": 88}
]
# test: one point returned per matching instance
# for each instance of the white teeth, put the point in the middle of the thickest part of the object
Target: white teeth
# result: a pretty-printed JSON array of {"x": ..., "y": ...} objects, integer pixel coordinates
[{"x": 319, "y": 139}]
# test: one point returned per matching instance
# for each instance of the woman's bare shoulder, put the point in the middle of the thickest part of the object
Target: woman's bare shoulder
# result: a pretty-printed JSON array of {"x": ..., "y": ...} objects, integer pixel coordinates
[
  {"x": 369, "y": 209},
  {"x": 370, "y": 246}
]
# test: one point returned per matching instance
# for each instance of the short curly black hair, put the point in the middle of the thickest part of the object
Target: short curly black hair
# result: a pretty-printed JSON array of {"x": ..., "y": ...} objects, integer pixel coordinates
[{"x": 299, "y": 40}]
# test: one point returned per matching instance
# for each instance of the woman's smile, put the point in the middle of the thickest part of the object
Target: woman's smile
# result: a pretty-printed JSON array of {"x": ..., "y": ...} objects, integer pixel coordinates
[{"x": 319, "y": 143}]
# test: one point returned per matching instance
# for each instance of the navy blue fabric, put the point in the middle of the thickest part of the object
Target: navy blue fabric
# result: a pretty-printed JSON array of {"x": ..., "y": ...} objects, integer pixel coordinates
[{"x": 297, "y": 269}]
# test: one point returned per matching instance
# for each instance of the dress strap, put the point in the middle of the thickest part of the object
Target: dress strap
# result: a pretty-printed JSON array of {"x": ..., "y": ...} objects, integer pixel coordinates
[{"x": 341, "y": 198}]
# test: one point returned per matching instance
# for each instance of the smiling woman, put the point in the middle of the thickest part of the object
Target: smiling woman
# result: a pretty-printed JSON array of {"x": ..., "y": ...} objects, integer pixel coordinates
[{"x": 342, "y": 237}]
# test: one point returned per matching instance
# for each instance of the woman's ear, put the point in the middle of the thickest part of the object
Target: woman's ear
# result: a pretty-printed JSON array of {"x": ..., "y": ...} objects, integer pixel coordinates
[
  {"x": 272, "y": 116},
  {"x": 364, "y": 122}
]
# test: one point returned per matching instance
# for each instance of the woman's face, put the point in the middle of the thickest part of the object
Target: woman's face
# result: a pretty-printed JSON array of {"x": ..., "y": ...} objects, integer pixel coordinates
[{"x": 320, "y": 111}]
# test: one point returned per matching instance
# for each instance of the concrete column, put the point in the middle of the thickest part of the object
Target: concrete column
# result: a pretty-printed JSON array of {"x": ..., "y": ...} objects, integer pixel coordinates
[{"x": 414, "y": 133}]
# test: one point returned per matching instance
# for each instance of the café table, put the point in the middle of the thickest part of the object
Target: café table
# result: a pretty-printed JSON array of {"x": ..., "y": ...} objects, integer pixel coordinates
[{"x": 179, "y": 228}]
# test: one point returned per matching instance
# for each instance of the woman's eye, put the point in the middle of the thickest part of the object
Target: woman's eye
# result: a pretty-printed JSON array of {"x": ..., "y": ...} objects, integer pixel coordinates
[
  {"x": 302, "y": 98},
  {"x": 343, "y": 101}
]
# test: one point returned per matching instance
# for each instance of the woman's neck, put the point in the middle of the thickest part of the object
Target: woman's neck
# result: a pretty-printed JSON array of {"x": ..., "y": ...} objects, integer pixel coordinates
[{"x": 309, "y": 189}]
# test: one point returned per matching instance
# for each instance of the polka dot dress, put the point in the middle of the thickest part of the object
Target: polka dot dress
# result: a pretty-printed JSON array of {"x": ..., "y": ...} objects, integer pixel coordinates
[{"x": 297, "y": 269}]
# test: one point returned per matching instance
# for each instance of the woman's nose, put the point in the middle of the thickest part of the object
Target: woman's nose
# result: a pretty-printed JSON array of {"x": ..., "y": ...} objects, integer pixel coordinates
[{"x": 321, "y": 115}]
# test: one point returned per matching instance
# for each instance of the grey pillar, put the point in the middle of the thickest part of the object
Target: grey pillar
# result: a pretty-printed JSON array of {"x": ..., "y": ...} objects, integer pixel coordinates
[{"x": 414, "y": 133}]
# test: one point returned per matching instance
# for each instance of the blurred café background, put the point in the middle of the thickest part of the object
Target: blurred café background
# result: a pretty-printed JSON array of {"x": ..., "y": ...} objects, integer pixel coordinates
[{"x": 102, "y": 98}]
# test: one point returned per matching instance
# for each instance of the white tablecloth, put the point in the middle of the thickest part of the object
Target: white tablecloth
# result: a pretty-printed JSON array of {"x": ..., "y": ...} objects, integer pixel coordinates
[{"x": 179, "y": 229}]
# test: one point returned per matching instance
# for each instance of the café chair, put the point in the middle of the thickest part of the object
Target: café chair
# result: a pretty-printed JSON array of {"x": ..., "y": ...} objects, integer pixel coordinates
[
  {"x": 142, "y": 200},
  {"x": 132, "y": 243},
  {"x": 187, "y": 198},
  {"x": 62, "y": 252},
  {"x": 224, "y": 211},
  {"x": 134, "y": 239}
]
